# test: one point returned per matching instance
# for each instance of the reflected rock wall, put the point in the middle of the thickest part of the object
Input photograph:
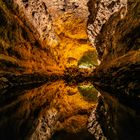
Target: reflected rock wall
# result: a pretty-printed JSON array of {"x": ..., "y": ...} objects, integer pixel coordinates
[{"x": 39, "y": 112}]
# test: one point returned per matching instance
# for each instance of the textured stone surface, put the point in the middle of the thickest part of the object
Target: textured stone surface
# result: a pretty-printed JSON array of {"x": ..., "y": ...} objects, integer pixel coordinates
[
  {"x": 60, "y": 26},
  {"x": 20, "y": 51},
  {"x": 39, "y": 38},
  {"x": 42, "y": 37},
  {"x": 100, "y": 12},
  {"x": 119, "y": 41},
  {"x": 117, "y": 77}
]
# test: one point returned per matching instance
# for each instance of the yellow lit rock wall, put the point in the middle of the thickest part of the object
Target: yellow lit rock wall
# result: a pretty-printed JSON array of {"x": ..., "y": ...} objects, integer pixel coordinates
[
  {"x": 20, "y": 51},
  {"x": 60, "y": 27}
]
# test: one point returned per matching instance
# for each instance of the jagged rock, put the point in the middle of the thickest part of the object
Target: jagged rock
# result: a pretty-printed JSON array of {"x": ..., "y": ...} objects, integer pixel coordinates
[
  {"x": 100, "y": 12},
  {"x": 119, "y": 41},
  {"x": 42, "y": 37},
  {"x": 53, "y": 35},
  {"x": 20, "y": 51},
  {"x": 117, "y": 77}
]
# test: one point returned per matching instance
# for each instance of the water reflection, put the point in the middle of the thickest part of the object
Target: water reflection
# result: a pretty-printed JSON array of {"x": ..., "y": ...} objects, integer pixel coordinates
[
  {"x": 119, "y": 121},
  {"x": 88, "y": 91},
  {"x": 38, "y": 112}
]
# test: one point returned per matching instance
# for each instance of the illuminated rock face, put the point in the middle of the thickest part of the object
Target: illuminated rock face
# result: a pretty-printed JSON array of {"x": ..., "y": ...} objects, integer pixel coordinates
[
  {"x": 21, "y": 52},
  {"x": 117, "y": 77},
  {"x": 119, "y": 41},
  {"x": 39, "y": 38},
  {"x": 44, "y": 37},
  {"x": 100, "y": 12},
  {"x": 60, "y": 27}
]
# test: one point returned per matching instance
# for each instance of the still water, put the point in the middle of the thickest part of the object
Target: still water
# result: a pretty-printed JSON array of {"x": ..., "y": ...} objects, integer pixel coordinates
[
  {"x": 56, "y": 110},
  {"x": 65, "y": 111}
]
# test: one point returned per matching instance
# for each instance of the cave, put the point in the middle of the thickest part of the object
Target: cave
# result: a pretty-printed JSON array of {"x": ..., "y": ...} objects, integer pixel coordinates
[{"x": 69, "y": 70}]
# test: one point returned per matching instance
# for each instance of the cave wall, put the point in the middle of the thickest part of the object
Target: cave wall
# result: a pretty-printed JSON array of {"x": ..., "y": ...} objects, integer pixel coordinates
[
  {"x": 117, "y": 77},
  {"x": 46, "y": 37},
  {"x": 42, "y": 38},
  {"x": 59, "y": 29},
  {"x": 21, "y": 51},
  {"x": 119, "y": 40}
]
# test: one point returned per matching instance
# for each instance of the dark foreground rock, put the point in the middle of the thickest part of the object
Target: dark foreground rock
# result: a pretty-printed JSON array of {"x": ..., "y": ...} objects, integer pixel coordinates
[{"x": 118, "y": 75}]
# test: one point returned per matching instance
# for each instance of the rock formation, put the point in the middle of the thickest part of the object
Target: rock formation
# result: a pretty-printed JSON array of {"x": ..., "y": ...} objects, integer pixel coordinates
[
  {"x": 59, "y": 28},
  {"x": 117, "y": 77},
  {"x": 43, "y": 41}
]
